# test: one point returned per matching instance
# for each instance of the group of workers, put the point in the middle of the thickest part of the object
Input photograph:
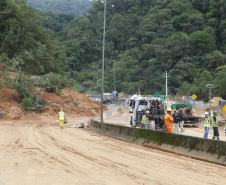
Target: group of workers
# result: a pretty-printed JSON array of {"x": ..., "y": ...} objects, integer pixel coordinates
[
  {"x": 211, "y": 120},
  {"x": 174, "y": 122},
  {"x": 171, "y": 123}
]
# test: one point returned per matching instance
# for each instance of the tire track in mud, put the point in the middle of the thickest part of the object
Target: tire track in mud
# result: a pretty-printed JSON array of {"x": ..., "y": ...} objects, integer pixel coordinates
[
  {"x": 42, "y": 149},
  {"x": 48, "y": 140},
  {"x": 167, "y": 160}
]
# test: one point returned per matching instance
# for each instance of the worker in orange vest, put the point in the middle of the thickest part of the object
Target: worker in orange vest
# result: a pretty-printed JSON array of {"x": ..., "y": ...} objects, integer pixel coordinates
[{"x": 169, "y": 121}]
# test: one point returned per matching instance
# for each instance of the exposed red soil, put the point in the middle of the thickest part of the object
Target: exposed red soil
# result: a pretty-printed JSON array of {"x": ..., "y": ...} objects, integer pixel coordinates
[{"x": 73, "y": 103}]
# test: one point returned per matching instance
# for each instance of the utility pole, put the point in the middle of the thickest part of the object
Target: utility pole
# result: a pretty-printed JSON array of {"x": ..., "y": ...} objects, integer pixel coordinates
[
  {"x": 114, "y": 76},
  {"x": 166, "y": 75},
  {"x": 102, "y": 79},
  {"x": 210, "y": 86}
]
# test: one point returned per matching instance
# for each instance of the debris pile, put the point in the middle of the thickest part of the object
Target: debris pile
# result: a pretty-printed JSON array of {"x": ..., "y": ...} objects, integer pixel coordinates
[{"x": 73, "y": 103}]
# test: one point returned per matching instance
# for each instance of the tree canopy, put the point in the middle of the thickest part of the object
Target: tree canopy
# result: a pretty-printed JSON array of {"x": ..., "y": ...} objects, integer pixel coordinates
[
  {"x": 24, "y": 43},
  {"x": 146, "y": 38},
  {"x": 70, "y": 7}
]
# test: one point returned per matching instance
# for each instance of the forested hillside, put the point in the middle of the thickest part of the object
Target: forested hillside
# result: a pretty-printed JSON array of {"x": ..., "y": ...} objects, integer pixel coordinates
[
  {"x": 145, "y": 38},
  {"x": 24, "y": 43},
  {"x": 70, "y": 7},
  {"x": 28, "y": 49}
]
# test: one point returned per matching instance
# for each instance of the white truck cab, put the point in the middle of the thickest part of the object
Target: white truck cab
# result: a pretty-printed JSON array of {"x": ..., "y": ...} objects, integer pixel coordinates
[
  {"x": 132, "y": 102},
  {"x": 141, "y": 103}
]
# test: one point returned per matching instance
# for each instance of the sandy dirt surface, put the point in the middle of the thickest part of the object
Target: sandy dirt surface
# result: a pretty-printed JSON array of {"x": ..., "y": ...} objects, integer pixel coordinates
[{"x": 40, "y": 153}]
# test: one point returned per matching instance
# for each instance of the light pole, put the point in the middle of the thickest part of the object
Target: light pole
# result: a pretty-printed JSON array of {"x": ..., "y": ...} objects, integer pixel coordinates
[
  {"x": 166, "y": 84},
  {"x": 102, "y": 79},
  {"x": 210, "y": 86},
  {"x": 114, "y": 76},
  {"x": 74, "y": 73}
]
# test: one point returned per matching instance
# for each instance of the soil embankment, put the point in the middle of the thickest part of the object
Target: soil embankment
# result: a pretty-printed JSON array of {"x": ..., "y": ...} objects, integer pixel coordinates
[{"x": 74, "y": 104}]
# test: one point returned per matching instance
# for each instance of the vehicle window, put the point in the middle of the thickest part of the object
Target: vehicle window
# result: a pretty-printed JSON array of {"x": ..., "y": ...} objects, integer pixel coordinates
[
  {"x": 143, "y": 103},
  {"x": 132, "y": 102}
]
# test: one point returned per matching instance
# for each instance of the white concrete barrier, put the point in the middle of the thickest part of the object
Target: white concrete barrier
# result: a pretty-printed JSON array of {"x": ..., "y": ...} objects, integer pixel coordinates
[{"x": 111, "y": 113}]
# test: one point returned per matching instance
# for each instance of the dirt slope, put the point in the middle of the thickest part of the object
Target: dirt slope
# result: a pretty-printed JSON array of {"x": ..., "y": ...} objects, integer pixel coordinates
[
  {"x": 73, "y": 103},
  {"x": 41, "y": 153}
]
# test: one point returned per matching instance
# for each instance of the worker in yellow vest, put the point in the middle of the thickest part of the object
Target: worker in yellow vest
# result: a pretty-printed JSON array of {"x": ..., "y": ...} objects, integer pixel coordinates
[
  {"x": 215, "y": 126},
  {"x": 61, "y": 118},
  {"x": 145, "y": 119},
  {"x": 206, "y": 122},
  {"x": 168, "y": 120}
]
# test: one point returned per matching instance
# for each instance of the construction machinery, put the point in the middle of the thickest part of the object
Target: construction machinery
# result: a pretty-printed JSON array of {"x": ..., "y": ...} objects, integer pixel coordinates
[
  {"x": 157, "y": 108},
  {"x": 154, "y": 104},
  {"x": 187, "y": 111}
]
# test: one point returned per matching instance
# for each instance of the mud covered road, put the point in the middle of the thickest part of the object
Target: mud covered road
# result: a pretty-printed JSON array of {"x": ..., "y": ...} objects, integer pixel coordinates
[{"x": 40, "y": 153}]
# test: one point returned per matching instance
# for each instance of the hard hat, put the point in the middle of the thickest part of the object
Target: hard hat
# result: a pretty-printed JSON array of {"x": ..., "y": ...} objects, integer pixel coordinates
[
  {"x": 61, "y": 109},
  {"x": 215, "y": 112},
  {"x": 206, "y": 112},
  {"x": 169, "y": 110},
  {"x": 147, "y": 112}
]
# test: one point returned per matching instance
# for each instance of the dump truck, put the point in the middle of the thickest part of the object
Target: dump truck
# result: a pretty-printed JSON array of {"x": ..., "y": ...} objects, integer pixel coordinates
[{"x": 187, "y": 111}]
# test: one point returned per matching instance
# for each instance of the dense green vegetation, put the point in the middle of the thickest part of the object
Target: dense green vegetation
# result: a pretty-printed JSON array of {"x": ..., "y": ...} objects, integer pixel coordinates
[
  {"x": 25, "y": 44},
  {"x": 146, "y": 38},
  {"x": 27, "y": 48},
  {"x": 70, "y": 7},
  {"x": 143, "y": 39}
]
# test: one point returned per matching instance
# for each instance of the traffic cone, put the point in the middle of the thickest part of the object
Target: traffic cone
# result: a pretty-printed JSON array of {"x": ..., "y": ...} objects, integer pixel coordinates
[
  {"x": 87, "y": 126},
  {"x": 73, "y": 126}
]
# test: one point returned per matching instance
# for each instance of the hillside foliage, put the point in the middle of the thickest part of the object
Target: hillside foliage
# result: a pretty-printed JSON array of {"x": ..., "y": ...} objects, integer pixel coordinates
[
  {"x": 144, "y": 39},
  {"x": 70, "y": 7},
  {"x": 27, "y": 48},
  {"x": 24, "y": 43}
]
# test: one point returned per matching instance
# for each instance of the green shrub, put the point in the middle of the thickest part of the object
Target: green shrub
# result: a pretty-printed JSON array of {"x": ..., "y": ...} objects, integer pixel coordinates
[
  {"x": 54, "y": 82},
  {"x": 39, "y": 104},
  {"x": 27, "y": 103}
]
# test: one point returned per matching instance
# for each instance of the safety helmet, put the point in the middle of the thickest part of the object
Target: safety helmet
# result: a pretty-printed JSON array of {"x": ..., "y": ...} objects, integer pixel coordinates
[
  {"x": 215, "y": 112},
  {"x": 147, "y": 112},
  {"x": 169, "y": 110},
  {"x": 206, "y": 112},
  {"x": 61, "y": 109}
]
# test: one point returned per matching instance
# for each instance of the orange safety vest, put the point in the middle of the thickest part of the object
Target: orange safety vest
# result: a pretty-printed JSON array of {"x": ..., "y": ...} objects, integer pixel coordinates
[{"x": 168, "y": 123}]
